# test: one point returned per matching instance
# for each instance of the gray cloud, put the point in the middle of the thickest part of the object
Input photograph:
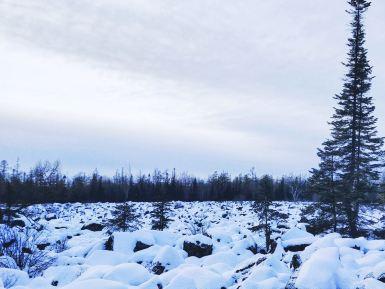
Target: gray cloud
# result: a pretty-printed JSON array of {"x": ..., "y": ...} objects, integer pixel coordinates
[{"x": 196, "y": 85}]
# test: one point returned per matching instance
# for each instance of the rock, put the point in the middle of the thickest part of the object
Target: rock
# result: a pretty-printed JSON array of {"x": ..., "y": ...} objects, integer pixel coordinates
[
  {"x": 379, "y": 233},
  {"x": 197, "y": 249},
  {"x": 17, "y": 223},
  {"x": 296, "y": 248},
  {"x": 94, "y": 227},
  {"x": 140, "y": 246},
  {"x": 253, "y": 249},
  {"x": 109, "y": 244},
  {"x": 50, "y": 217},
  {"x": 283, "y": 226},
  {"x": 256, "y": 228},
  {"x": 295, "y": 262},
  {"x": 178, "y": 206},
  {"x": 42, "y": 246},
  {"x": 381, "y": 278},
  {"x": 26, "y": 250},
  {"x": 158, "y": 269}
]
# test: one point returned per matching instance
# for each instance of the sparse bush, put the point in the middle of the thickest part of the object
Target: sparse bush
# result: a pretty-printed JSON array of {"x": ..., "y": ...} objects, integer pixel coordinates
[
  {"x": 199, "y": 225},
  {"x": 18, "y": 249},
  {"x": 60, "y": 245}
]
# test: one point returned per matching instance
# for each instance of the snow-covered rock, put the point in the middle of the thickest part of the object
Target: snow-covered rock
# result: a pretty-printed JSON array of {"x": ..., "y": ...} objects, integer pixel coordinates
[
  {"x": 296, "y": 239},
  {"x": 13, "y": 277},
  {"x": 95, "y": 284},
  {"x": 103, "y": 257},
  {"x": 129, "y": 274},
  {"x": 321, "y": 270}
]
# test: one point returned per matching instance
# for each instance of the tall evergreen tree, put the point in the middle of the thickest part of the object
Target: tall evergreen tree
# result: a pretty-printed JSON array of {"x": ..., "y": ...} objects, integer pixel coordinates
[{"x": 356, "y": 146}]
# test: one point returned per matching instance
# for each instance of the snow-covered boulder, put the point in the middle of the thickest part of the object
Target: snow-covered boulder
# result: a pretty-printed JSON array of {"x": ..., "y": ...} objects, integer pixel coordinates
[
  {"x": 95, "y": 284},
  {"x": 321, "y": 271},
  {"x": 13, "y": 277},
  {"x": 94, "y": 227},
  {"x": 63, "y": 275},
  {"x": 130, "y": 242},
  {"x": 370, "y": 283},
  {"x": 167, "y": 258},
  {"x": 197, "y": 245},
  {"x": 296, "y": 239},
  {"x": 103, "y": 257},
  {"x": 196, "y": 278},
  {"x": 129, "y": 274}
]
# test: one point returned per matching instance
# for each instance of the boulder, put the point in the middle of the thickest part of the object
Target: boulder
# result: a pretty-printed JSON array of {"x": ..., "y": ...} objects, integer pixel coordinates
[
  {"x": 198, "y": 246},
  {"x": 140, "y": 246},
  {"x": 17, "y": 223},
  {"x": 94, "y": 227}
]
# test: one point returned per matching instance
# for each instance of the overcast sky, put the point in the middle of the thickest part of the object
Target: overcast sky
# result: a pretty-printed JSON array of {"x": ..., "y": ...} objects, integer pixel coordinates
[{"x": 197, "y": 85}]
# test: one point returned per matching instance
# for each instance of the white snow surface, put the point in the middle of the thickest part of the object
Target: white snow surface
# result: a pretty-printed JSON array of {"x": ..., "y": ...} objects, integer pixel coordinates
[{"x": 328, "y": 262}]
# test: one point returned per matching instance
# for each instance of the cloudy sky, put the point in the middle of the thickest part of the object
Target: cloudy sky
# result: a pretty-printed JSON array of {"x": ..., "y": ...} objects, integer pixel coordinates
[{"x": 197, "y": 85}]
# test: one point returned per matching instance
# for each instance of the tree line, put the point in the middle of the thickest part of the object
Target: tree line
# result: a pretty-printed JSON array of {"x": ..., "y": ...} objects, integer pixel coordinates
[{"x": 45, "y": 183}]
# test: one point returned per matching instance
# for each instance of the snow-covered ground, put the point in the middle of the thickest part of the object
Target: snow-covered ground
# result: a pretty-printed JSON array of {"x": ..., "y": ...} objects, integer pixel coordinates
[{"x": 229, "y": 255}]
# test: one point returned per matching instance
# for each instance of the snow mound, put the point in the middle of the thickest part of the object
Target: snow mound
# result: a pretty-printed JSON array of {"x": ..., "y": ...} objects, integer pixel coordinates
[
  {"x": 130, "y": 274},
  {"x": 196, "y": 278},
  {"x": 320, "y": 271},
  {"x": 169, "y": 257},
  {"x": 13, "y": 277},
  {"x": 95, "y": 284},
  {"x": 296, "y": 236}
]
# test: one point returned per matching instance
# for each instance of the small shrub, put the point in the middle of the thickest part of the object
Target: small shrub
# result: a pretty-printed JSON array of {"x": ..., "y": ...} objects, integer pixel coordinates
[
  {"x": 19, "y": 248},
  {"x": 199, "y": 225}
]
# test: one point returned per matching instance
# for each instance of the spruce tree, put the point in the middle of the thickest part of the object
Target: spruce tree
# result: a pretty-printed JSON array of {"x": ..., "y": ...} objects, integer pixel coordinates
[
  {"x": 263, "y": 208},
  {"x": 124, "y": 218},
  {"x": 324, "y": 181},
  {"x": 356, "y": 147},
  {"x": 160, "y": 215}
]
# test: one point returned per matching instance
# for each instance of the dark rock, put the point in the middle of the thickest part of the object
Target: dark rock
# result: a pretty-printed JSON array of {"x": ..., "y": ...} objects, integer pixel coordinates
[
  {"x": 253, "y": 249},
  {"x": 42, "y": 246},
  {"x": 381, "y": 278},
  {"x": 17, "y": 223},
  {"x": 109, "y": 245},
  {"x": 379, "y": 233},
  {"x": 262, "y": 251},
  {"x": 158, "y": 268},
  {"x": 197, "y": 249},
  {"x": 140, "y": 246},
  {"x": 295, "y": 262},
  {"x": 94, "y": 227},
  {"x": 54, "y": 283},
  {"x": 283, "y": 226},
  {"x": 256, "y": 228},
  {"x": 26, "y": 250},
  {"x": 9, "y": 243},
  {"x": 296, "y": 248},
  {"x": 273, "y": 245}
]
